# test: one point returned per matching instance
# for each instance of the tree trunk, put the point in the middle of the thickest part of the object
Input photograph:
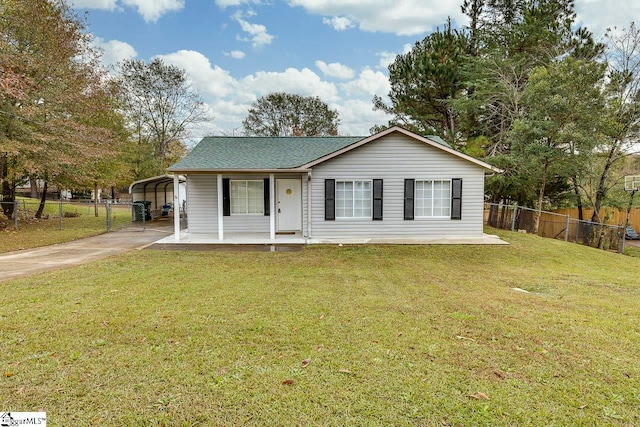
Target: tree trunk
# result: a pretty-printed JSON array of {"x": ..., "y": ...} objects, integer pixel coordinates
[
  {"x": 536, "y": 217},
  {"x": 33, "y": 183},
  {"x": 493, "y": 211},
  {"x": 576, "y": 190},
  {"x": 601, "y": 193},
  {"x": 43, "y": 199},
  {"x": 8, "y": 188}
]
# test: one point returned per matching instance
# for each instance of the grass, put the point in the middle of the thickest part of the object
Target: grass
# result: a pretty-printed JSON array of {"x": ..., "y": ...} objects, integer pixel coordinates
[
  {"x": 78, "y": 221},
  {"x": 396, "y": 335}
]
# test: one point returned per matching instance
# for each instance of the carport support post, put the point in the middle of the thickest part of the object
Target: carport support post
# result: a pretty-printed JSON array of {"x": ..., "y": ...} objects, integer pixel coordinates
[
  {"x": 176, "y": 207},
  {"x": 272, "y": 210}
]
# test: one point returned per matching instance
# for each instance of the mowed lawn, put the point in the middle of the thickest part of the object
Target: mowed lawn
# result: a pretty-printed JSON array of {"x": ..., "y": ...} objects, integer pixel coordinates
[{"x": 367, "y": 335}]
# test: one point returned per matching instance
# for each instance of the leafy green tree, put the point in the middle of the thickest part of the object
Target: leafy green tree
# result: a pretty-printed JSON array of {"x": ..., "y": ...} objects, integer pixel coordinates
[
  {"x": 510, "y": 39},
  {"x": 622, "y": 114},
  {"x": 423, "y": 80},
  {"x": 562, "y": 103},
  {"x": 161, "y": 108},
  {"x": 286, "y": 114},
  {"x": 53, "y": 92}
]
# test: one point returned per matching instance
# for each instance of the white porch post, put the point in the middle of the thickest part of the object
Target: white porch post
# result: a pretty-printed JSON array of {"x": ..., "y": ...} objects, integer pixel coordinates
[
  {"x": 176, "y": 207},
  {"x": 308, "y": 205},
  {"x": 220, "y": 209},
  {"x": 272, "y": 208}
]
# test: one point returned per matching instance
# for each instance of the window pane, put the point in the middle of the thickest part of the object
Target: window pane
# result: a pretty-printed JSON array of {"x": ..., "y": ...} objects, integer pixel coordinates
[
  {"x": 247, "y": 197},
  {"x": 432, "y": 198},
  {"x": 353, "y": 199}
]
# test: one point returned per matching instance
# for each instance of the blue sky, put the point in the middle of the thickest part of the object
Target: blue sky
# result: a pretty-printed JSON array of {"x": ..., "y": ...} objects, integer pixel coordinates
[{"x": 238, "y": 50}]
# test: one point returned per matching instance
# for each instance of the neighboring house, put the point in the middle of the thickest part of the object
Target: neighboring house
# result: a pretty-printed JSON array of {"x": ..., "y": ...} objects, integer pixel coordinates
[{"x": 394, "y": 184}]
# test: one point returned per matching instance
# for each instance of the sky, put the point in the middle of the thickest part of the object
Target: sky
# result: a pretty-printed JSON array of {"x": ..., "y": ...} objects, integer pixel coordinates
[{"x": 235, "y": 51}]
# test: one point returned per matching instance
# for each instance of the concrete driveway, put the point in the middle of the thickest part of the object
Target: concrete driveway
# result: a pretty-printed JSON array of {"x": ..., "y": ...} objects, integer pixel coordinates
[{"x": 63, "y": 255}]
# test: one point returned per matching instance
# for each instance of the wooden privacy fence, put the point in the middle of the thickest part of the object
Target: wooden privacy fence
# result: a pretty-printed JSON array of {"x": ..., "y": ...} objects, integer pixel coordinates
[
  {"x": 555, "y": 225},
  {"x": 607, "y": 216}
]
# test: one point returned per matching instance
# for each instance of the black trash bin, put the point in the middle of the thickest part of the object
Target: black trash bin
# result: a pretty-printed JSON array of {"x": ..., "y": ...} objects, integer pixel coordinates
[{"x": 138, "y": 208}]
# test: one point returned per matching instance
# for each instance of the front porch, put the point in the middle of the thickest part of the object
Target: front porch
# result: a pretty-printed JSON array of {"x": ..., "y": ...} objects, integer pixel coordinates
[{"x": 257, "y": 239}]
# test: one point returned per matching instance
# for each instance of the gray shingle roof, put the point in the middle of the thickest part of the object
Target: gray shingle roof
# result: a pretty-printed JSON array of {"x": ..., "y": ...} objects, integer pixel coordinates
[{"x": 245, "y": 153}]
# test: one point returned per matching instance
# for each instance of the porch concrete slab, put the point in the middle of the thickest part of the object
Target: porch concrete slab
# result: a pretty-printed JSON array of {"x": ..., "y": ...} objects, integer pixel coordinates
[
  {"x": 263, "y": 239},
  {"x": 486, "y": 239}
]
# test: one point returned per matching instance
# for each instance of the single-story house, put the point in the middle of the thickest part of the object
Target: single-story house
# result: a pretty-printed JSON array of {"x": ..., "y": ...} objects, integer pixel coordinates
[{"x": 391, "y": 185}]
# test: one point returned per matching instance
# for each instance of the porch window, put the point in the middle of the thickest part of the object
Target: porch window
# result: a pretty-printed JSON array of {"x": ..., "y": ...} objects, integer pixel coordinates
[
  {"x": 353, "y": 199},
  {"x": 247, "y": 197},
  {"x": 433, "y": 198}
]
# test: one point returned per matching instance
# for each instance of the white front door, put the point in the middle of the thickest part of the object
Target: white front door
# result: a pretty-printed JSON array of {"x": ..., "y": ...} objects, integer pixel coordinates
[{"x": 289, "y": 204}]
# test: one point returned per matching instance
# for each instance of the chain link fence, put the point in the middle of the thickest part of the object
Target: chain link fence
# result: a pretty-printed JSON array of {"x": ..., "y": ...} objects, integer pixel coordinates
[
  {"x": 555, "y": 226},
  {"x": 60, "y": 214},
  {"x": 25, "y": 212}
]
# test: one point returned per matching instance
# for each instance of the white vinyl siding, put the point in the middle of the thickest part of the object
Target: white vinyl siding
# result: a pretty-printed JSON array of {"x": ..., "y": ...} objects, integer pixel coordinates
[
  {"x": 247, "y": 197},
  {"x": 394, "y": 158},
  {"x": 433, "y": 198},
  {"x": 353, "y": 199},
  {"x": 202, "y": 204}
]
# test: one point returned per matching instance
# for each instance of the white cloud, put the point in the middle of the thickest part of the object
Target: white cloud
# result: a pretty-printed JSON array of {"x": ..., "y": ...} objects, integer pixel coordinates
[
  {"x": 152, "y": 10},
  {"x": 95, "y": 4},
  {"x": 357, "y": 117},
  {"x": 229, "y": 99},
  {"x": 386, "y": 58},
  {"x": 338, "y": 23},
  {"x": 402, "y": 17},
  {"x": 235, "y": 54},
  {"x": 258, "y": 32},
  {"x": 114, "y": 51},
  {"x": 367, "y": 84},
  {"x": 209, "y": 81},
  {"x": 302, "y": 82},
  {"x": 598, "y": 15},
  {"x": 226, "y": 3},
  {"x": 336, "y": 70}
]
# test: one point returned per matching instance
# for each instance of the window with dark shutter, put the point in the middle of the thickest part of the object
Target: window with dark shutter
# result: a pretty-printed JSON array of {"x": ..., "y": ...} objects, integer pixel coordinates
[
  {"x": 456, "y": 198},
  {"x": 267, "y": 202},
  {"x": 226, "y": 197},
  {"x": 377, "y": 200},
  {"x": 409, "y": 185},
  {"x": 329, "y": 199}
]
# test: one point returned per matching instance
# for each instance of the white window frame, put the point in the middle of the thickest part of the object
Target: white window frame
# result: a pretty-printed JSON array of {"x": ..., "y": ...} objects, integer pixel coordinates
[
  {"x": 353, "y": 204},
  {"x": 245, "y": 198},
  {"x": 432, "y": 199}
]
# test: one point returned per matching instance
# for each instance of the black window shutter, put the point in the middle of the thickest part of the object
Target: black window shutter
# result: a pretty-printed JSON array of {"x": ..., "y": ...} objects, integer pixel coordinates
[
  {"x": 409, "y": 185},
  {"x": 267, "y": 202},
  {"x": 456, "y": 198},
  {"x": 226, "y": 197},
  {"x": 377, "y": 200},
  {"x": 329, "y": 199}
]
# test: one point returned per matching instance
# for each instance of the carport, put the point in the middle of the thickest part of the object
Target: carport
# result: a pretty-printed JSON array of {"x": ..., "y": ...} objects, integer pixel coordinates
[{"x": 158, "y": 191}]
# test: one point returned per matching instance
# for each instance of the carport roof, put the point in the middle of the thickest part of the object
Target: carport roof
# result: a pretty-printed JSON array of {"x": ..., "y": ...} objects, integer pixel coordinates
[{"x": 153, "y": 182}]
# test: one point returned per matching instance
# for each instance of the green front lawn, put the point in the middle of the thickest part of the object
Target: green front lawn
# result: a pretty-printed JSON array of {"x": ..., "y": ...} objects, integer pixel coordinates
[{"x": 370, "y": 335}]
